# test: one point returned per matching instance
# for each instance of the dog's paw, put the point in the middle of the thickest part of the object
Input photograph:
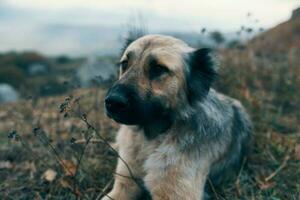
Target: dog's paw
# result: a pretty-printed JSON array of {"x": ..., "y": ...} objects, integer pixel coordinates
[
  {"x": 112, "y": 196},
  {"x": 106, "y": 198}
]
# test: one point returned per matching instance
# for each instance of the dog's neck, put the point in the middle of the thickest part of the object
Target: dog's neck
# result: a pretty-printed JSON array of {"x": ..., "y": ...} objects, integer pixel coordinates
[
  {"x": 165, "y": 125},
  {"x": 157, "y": 127},
  {"x": 183, "y": 119}
]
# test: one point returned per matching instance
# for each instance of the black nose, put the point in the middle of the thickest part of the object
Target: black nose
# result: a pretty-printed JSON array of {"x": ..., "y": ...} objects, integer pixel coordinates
[{"x": 116, "y": 102}]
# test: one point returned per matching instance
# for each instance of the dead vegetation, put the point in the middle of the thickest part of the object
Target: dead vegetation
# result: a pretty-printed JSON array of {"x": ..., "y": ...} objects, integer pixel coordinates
[
  {"x": 59, "y": 147},
  {"x": 50, "y": 150},
  {"x": 269, "y": 88},
  {"x": 55, "y": 148}
]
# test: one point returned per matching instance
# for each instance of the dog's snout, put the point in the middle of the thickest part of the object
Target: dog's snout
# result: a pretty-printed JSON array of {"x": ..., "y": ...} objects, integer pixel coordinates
[
  {"x": 121, "y": 102},
  {"x": 116, "y": 102}
]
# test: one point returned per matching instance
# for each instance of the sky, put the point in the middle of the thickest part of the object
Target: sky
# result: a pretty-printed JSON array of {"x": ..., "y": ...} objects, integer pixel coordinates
[{"x": 78, "y": 27}]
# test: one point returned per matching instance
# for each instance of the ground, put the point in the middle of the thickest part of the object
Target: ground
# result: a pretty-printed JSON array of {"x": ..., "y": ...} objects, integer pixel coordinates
[{"x": 60, "y": 147}]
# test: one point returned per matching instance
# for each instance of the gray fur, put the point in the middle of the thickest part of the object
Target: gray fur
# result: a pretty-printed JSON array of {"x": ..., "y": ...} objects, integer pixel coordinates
[{"x": 216, "y": 121}]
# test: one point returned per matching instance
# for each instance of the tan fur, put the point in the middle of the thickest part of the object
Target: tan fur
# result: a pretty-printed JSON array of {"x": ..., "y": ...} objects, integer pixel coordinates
[
  {"x": 168, "y": 52},
  {"x": 167, "y": 174}
]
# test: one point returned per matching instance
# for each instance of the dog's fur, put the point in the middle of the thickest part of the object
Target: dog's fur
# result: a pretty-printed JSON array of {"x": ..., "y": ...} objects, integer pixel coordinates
[{"x": 177, "y": 131}]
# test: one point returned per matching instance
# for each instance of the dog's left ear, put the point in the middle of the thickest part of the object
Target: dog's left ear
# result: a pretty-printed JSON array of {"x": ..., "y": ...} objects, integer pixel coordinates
[{"x": 201, "y": 73}]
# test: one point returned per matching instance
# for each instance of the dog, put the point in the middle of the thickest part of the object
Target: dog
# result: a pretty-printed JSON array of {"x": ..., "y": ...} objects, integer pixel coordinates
[{"x": 177, "y": 133}]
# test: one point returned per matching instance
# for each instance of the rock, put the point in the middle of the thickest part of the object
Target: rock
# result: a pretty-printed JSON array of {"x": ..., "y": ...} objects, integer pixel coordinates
[
  {"x": 8, "y": 93},
  {"x": 5, "y": 165},
  {"x": 49, "y": 175},
  {"x": 37, "y": 69},
  {"x": 94, "y": 69}
]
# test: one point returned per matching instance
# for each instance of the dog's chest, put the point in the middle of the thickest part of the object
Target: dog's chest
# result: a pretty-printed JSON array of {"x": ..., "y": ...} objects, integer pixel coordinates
[{"x": 144, "y": 153}]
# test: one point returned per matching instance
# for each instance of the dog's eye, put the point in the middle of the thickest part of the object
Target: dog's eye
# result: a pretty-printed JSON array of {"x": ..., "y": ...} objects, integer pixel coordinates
[
  {"x": 124, "y": 65},
  {"x": 157, "y": 71}
]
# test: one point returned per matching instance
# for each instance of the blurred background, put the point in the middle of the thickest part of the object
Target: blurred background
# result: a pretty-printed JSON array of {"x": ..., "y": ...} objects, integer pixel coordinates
[
  {"x": 62, "y": 40},
  {"x": 58, "y": 58}
]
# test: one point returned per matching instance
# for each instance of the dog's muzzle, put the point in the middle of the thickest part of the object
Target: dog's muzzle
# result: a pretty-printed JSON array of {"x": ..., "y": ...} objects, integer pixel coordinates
[
  {"x": 116, "y": 102},
  {"x": 120, "y": 104}
]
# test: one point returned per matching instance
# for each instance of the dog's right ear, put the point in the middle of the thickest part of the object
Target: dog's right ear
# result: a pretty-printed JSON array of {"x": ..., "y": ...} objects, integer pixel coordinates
[
  {"x": 201, "y": 73},
  {"x": 133, "y": 34}
]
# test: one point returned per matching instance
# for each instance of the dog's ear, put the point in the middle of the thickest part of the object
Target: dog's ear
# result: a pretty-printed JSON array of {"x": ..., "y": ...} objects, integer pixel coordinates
[
  {"x": 133, "y": 34},
  {"x": 201, "y": 73}
]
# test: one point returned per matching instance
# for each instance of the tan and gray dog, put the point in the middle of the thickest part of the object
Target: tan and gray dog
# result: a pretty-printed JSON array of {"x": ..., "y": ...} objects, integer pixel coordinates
[{"x": 177, "y": 132}]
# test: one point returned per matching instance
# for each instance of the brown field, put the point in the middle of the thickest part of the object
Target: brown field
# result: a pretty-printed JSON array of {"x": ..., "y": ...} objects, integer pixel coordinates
[{"x": 44, "y": 137}]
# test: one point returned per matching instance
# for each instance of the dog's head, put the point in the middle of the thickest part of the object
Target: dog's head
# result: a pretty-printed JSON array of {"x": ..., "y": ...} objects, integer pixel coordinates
[{"x": 159, "y": 75}]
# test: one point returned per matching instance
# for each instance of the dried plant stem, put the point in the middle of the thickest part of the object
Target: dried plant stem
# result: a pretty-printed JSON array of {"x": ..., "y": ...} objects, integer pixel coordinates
[
  {"x": 46, "y": 141},
  {"x": 237, "y": 182},
  {"x": 79, "y": 162},
  {"x": 282, "y": 165},
  {"x": 213, "y": 188},
  {"x": 115, "y": 151},
  {"x": 103, "y": 191},
  {"x": 81, "y": 141}
]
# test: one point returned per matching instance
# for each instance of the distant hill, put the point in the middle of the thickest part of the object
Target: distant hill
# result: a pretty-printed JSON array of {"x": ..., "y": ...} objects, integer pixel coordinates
[
  {"x": 281, "y": 39},
  {"x": 33, "y": 74}
]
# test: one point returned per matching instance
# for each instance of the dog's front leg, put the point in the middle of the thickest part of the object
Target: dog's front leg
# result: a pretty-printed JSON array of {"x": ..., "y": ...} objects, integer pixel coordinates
[
  {"x": 125, "y": 187},
  {"x": 179, "y": 181}
]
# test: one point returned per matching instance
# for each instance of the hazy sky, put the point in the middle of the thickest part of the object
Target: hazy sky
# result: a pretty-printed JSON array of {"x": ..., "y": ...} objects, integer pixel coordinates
[{"x": 37, "y": 24}]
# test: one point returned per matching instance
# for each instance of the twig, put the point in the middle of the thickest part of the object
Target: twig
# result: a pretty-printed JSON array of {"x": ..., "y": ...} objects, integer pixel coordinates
[
  {"x": 56, "y": 154},
  {"x": 44, "y": 139},
  {"x": 103, "y": 191},
  {"x": 81, "y": 141},
  {"x": 237, "y": 182},
  {"x": 121, "y": 175},
  {"x": 213, "y": 188},
  {"x": 84, "y": 119},
  {"x": 79, "y": 162},
  {"x": 283, "y": 164}
]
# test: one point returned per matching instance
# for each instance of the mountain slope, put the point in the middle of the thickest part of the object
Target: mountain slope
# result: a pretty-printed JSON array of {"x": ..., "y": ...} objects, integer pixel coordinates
[{"x": 281, "y": 39}]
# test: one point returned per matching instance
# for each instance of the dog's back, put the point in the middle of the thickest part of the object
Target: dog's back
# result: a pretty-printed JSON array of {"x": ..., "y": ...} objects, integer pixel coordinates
[{"x": 239, "y": 128}]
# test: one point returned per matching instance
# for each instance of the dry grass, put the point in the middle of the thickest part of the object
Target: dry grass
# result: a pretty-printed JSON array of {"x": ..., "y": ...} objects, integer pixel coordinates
[
  {"x": 268, "y": 87},
  {"x": 31, "y": 129}
]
